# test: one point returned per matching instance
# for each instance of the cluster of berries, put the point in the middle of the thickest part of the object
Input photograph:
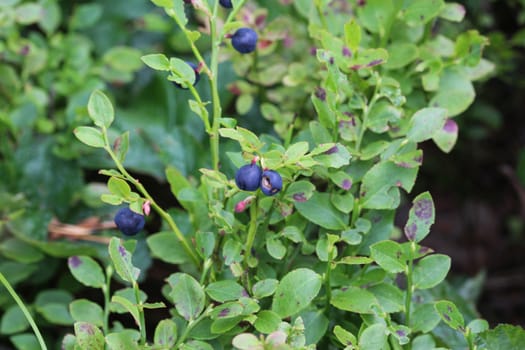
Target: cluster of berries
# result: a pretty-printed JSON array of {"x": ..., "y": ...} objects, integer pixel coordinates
[
  {"x": 250, "y": 177},
  {"x": 244, "y": 40}
]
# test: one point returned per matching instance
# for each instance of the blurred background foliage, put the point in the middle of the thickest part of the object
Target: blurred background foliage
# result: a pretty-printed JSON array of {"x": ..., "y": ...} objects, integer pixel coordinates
[{"x": 54, "y": 53}]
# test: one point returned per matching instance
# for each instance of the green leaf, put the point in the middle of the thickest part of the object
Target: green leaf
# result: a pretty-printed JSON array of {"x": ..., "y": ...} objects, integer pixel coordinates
[
  {"x": 56, "y": 313},
  {"x": 390, "y": 297},
  {"x": 264, "y": 288},
  {"x": 352, "y": 35},
  {"x": 123, "y": 58},
  {"x": 380, "y": 185},
  {"x": 425, "y": 123},
  {"x": 89, "y": 336},
  {"x": 90, "y": 136},
  {"x": 231, "y": 252},
  {"x": 456, "y": 92},
  {"x": 267, "y": 322},
  {"x": 319, "y": 210},
  {"x": 205, "y": 243},
  {"x": 400, "y": 54},
  {"x": 100, "y": 109},
  {"x": 126, "y": 339},
  {"x": 376, "y": 14},
  {"x": 354, "y": 299},
  {"x": 345, "y": 337},
  {"x": 26, "y": 341},
  {"x": 87, "y": 271},
  {"x": 29, "y": 13},
  {"x": 389, "y": 255},
  {"x": 453, "y": 12},
  {"x": 226, "y": 290},
  {"x": 421, "y": 12},
  {"x": 85, "y": 15},
  {"x": 504, "y": 336},
  {"x": 166, "y": 246},
  {"x": 83, "y": 310},
  {"x": 119, "y": 187},
  {"x": 295, "y": 291},
  {"x": 20, "y": 251},
  {"x": 315, "y": 326},
  {"x": 156, "y": 61},
  {"x": 450, "y": 314},
  {"x": 183, "y": 73},
  {"x": 246, "y": 341},
  {"x": 244, "y": 103},
  {"x": 128, "y": 306},
  {"x": 121, "y": 259},
  {"x": 420, "y": 218},
  {"x": 478, "y": 325},
  {"x": 424, "y": 318},
  {"x": 13, "y": 321},
  {"x": 431, "y": 270},
  {"x": 165, "y": 333},
  {"x": 275, "y": 247},
  {"x": 188, "y": 296},
  {"x": 373, "y": 337}
]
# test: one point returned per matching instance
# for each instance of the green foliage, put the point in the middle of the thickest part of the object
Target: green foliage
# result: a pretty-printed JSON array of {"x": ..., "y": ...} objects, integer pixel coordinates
[{"x": 337, "y": 98}]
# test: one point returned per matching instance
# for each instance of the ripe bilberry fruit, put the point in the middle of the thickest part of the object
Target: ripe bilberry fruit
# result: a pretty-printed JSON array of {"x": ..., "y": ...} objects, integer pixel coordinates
[
  {"x": 244, "y": 40},
  {"x": 248, "y": 177},
  {"x": 271, "y": 182},
  {"x": 129, "y": 222},
  {"x": 197, "y": 75},
  {"x": 226, "y": 3}
]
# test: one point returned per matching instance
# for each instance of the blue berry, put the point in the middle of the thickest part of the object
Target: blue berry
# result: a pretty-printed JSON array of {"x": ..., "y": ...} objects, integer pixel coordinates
[
  {"x": 271, "y": 182},
  {"x": 244, "y": 40},
  {"x": 248, "y": 177},
  {"x": 226, "y": 3},
  {"x": 197, "y": 75},
  {"x": 129, "y": 222}
]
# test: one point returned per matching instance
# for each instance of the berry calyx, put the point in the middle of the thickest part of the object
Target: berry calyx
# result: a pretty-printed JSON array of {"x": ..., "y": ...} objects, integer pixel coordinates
[
  {"x": 248, "y": 177},
  {"x": 244, "y": 40},
  {"x": 129, "y": 222},
  {"x": 271, "y": 182},
  {"x": 226, "y": 3},
  {"x": 197, "y": 75}
]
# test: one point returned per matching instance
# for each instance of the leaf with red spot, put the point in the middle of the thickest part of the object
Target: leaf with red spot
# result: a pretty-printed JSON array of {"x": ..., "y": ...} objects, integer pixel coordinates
[
  {"x": 450, "y": 314},
  {"x": 87, "y": 271},
  {"x": 446, "y": 137},
  {"x": 420, "y": 217},
  {"x": 121, "y": 259}
]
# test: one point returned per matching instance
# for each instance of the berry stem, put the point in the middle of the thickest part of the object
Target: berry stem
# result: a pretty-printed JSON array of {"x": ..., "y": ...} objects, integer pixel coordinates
[{"x": 145, "y": 193}]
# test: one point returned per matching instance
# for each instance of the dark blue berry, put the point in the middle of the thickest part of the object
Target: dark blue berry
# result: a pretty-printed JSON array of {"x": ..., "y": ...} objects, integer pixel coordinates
[
  {"x": 129, "y": 222},
  {"x": 197, "y": 75},
  {"x": 271, "y": 182},
  {"x": 226, "y": 3},
  {"x": 248, "y": 177},
  {"x": 244, "y": 40}
]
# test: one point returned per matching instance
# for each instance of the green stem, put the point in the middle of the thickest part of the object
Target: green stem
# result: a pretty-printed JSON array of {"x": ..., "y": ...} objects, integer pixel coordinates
[
  {"x": 470, "y": 339},
  {"x": 207, "y": 264},
  {"x": 107, "y": 291},
  {"x": 327, "y": 280},
  {"x": 167, "y": 217},
  {"x": 142, "y": 319},
  {"x": 366, "y": 111},
  {"x": 252, "y": 230},
  {"x": 191, "y": 325},
  {"x": 26, "y": 313},
  {"x": 410, "y": 287}
]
